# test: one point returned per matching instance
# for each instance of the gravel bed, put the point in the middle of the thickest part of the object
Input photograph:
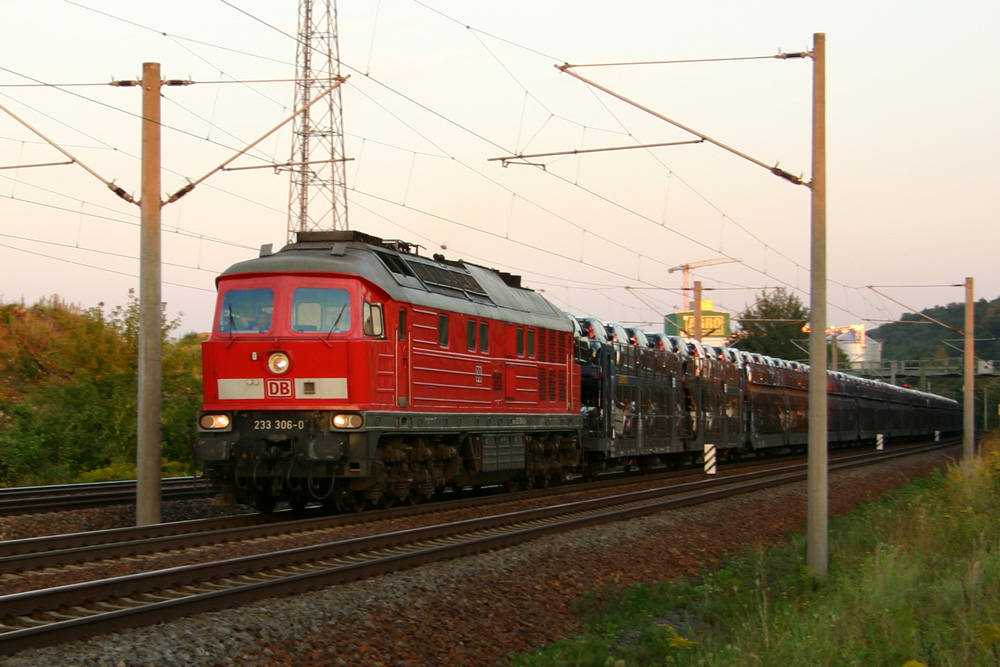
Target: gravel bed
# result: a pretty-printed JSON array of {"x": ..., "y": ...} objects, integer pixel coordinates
[
  {"x": 473, "y": 611},
  {"x": 101, "y": 518}
]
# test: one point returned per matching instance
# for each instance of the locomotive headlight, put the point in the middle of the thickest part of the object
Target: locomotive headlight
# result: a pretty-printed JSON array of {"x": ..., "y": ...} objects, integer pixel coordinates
[
  {"x": 347, "y": 421},
  {"x": 277, "y": 363},
  {"x": 214, "y": 422}
]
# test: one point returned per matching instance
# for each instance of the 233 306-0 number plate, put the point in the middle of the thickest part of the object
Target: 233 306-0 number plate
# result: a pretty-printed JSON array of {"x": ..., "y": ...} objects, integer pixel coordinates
[
  {"x": 278, "y": 424},
  {"x": 276, "y": 421}
]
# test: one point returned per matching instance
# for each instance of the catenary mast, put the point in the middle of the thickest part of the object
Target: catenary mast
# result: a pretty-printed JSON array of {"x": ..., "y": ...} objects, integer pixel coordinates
[{"x": 317, "y": 197}]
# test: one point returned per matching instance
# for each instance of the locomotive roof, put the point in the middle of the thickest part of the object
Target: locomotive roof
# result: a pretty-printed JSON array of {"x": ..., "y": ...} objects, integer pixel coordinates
[{"x": 455, "y": 286}]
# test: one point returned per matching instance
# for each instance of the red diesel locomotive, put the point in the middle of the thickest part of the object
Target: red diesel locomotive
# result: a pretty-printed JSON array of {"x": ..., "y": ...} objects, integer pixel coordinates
[{"x": 350, "y": 370}]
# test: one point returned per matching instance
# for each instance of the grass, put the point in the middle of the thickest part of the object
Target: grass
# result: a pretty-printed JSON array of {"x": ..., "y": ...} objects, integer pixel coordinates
[{"x": 914, "y": 581}]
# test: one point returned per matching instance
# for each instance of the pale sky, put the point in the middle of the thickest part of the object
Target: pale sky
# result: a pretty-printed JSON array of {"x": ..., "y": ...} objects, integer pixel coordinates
[{"x": 438, "y": 87}]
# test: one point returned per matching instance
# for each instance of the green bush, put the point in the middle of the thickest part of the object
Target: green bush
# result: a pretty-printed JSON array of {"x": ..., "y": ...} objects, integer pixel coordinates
[{"x": 68, "y": 392}]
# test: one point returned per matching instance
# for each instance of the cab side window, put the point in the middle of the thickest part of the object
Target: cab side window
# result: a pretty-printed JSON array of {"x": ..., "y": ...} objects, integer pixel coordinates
[
  {"x": 443, "y": 330},
  {"x": 484, "y": 336},
  {"x": 372, "y": 321},
  {"x": 470, "y": 335}
]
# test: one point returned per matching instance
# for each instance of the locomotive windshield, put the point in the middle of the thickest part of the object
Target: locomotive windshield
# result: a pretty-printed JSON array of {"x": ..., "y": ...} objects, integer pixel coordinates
[
  {"x": 246, "y": 311},
  {"x": 321, "y": 309}
]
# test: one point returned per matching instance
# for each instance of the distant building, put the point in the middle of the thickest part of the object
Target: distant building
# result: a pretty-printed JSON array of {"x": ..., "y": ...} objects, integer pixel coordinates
[{"x": 860, "y": 349}]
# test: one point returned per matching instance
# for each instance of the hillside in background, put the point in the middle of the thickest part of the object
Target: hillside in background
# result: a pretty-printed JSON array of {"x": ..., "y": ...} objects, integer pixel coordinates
[
  {"x": 68, "y": 391},
  {"x": 916, "y": 338}
]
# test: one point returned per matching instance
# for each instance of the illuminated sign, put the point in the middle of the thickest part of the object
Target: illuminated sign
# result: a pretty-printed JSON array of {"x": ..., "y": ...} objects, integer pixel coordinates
[{"x": 713, "y": 324}]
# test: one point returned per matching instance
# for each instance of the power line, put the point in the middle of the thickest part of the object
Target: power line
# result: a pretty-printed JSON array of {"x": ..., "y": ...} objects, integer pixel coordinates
[
  {"x": 779, "y": 56},
  {"x": 478, "y": 32},
  {"x": 106, "y": 253},
  {"x": 133, "y": 223},
  {"x": 99, "y": 268},
  {"x": 187, "y": 39}
]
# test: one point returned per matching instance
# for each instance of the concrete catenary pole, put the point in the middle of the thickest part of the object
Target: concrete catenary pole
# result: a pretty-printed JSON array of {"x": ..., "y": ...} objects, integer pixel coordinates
[
  {"x": 817, "y": 556},
  {"x": 968, "y": 376},
  {"x": 697, "y": 310},
  {"x": 148, "y": 466}
]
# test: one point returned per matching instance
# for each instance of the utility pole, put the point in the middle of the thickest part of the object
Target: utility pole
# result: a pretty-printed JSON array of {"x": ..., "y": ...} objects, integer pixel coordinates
[
  {"x": 968, "y": 376},
  {"x": 816, "y": 528},
  {"x": 318, "y": 193},
  {"x": 148, "y": 468},
  {"x": 817, "y": 551},
  {"x": 986, "y": 414},
  {"x": 697, "y": 310},
  {"x": 150, "y": 348}
]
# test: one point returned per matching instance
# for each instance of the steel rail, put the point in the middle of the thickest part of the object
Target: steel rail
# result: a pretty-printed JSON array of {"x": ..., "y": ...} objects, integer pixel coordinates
[
  {"x": 54, "y": 615},
  {"x": 70, "y": 549},
  {"x": 286, "y": 520},
  {"x": 36, "y": 499}
]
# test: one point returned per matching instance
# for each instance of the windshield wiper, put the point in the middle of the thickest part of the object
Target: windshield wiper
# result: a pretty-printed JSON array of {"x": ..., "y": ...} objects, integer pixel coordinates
[
  {"x": 336, "y": 321},
  {"x": 232, "y": 326}
]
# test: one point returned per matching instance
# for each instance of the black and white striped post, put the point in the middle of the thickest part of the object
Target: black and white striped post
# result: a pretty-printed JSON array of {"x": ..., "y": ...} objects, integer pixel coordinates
[{"x": 709, "y": 458}]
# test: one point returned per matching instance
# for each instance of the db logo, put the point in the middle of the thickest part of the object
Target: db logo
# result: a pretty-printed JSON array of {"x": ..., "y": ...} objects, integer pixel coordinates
[{"x": 278, "y": 389}]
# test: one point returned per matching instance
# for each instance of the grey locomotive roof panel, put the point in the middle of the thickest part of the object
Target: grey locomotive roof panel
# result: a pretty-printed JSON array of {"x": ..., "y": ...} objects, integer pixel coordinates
[{"x": 435, "y": 283}]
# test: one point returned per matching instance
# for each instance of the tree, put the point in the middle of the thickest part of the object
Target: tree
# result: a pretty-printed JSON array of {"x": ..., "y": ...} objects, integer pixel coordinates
[
  {"x": 68, "y": 388},
  {"x": 772, "y": 326}
]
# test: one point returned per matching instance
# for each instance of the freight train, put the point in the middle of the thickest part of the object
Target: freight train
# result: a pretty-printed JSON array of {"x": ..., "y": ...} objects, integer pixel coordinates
[{"x": 353, "y": 371}]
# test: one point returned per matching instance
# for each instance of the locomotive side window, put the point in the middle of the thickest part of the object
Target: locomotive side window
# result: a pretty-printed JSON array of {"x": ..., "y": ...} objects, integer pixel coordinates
[
  {"x": 484, "y": 336},
  {"x": 519, "y": 341},
  {"x": 246, "y": 311},
  {"x": 321, "y": 309},
  {"x": 470, "y": 335},
  {"x": 443, "y": 330},
  {"x": 372, "y": 319},
  {"x": 531, "y": 343}
]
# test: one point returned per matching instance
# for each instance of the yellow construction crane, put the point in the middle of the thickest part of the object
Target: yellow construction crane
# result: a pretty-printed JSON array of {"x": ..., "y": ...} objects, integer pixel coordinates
[{"x": 686, "y": 268}]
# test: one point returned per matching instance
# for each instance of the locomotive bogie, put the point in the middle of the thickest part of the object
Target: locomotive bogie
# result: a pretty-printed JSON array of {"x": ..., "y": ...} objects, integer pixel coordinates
[{"x": 370, "y": 467}]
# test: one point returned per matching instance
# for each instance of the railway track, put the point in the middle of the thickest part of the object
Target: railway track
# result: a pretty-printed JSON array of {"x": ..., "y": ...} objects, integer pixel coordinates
[
  {"x": 69, "y": 549},
  {"x": 49, "y": 616},
  {"x": 34, "y": 499},
  {"x": 72, "y": 550}
]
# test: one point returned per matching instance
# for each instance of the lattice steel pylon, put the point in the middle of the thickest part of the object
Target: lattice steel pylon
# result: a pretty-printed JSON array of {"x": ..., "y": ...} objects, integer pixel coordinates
[{"x": 317, "y": 197}]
